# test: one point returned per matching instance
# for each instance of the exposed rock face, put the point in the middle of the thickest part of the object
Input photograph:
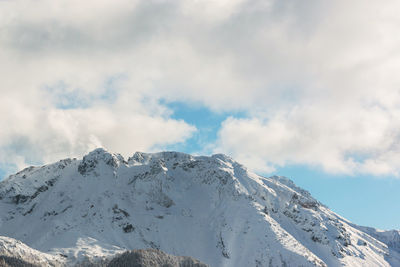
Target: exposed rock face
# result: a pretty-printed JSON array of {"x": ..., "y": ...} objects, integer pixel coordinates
[{"x": 210, "y": 208}]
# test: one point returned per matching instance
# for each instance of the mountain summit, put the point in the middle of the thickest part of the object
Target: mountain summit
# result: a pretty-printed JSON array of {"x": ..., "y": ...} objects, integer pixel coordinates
[{"x": 210, "y": 208}]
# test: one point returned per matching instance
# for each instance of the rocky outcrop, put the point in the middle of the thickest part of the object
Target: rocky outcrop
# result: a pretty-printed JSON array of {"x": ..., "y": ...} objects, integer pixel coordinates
[
  {"x": 7, "y": 261},
  {"x": 153, "y": 258},
  {"x": 132, "y": 258}
]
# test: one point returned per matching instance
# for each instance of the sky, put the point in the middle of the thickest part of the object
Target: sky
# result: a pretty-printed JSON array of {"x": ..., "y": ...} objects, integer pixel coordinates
[{"x": 306, "y": 89}]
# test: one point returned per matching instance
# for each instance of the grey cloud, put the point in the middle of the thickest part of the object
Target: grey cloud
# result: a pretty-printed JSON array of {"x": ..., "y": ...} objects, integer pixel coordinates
[{"x": 272, "y": 59}]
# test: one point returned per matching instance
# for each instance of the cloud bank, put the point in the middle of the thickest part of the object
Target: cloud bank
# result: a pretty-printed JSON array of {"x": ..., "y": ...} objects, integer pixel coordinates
[{"x": 318, "y": 79}]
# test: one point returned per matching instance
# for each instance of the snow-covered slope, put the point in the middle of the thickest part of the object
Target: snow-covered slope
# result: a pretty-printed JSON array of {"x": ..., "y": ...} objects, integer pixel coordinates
[
  {"x": 10, "y": 247},
  {"x": 210, "y": 208}
]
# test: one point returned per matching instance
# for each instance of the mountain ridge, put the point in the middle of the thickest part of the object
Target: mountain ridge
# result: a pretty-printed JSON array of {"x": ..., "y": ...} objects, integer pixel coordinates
[{"x": 103, "y": 204}]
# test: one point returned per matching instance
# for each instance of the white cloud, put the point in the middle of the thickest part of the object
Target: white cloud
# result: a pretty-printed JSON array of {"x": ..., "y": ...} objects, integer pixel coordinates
[
  {"x": 337, "y": 98},
  {"x": 318, "y": 77},
  {"x": 339, "y": 139},
  {"x": 35, "y": 136}
]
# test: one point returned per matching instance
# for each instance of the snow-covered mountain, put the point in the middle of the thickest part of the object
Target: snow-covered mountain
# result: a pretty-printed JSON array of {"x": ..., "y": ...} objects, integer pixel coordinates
[{"x": 210, "y": 208}]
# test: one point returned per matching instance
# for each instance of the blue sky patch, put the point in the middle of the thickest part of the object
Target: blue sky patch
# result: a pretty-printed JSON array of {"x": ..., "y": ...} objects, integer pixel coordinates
[
  {"x": 206, "y": 121},
  {"x": 349, "y": 195}
]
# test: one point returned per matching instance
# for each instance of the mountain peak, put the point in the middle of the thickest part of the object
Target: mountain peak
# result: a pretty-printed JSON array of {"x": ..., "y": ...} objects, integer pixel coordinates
[
  {"x": 101, "y": 154},
  {"x": 144, "y": 158},
  {"x": 208, "y": 207},
  {"x": 99, "y": 157}
]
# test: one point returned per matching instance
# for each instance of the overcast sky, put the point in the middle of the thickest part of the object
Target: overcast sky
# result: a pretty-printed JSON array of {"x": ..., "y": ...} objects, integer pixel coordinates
[{"x": 311, "y": 83}]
